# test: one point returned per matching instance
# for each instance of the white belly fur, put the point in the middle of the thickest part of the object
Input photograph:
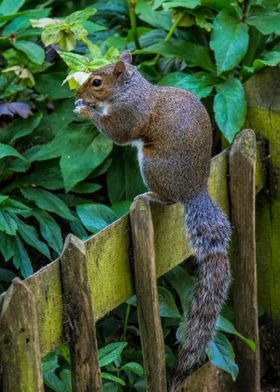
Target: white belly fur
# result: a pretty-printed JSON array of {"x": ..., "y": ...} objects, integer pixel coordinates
[{"x": 139, "y": 144}]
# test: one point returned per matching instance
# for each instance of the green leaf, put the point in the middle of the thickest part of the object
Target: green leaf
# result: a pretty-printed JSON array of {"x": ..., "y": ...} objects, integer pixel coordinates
[
  {"x": 7, "y": 246},
  {"x": 183, "y": 283},
  {"x": 50, "y": 84},
  {"x": 270, "y": 59},
  {"x": 34, "y": 52},
  {"x": 95, "y": 217},
  {"x": 121, "y": 207},
  {"x": 8, "y": 151},
  {"x": 21, "y": 259},
  {"x": 193, "y": 54},
  {"x": 229, "y": 40},
  {"x": 230, "y": 107},
  {"x": 20, "y": 128},
  {"x": 167, "y": 305},
  {"x": 65, "y": 376},
  {"x": 75, "y": 62},
  {"x": 47, "y": 201},
  {"x": 199, "y": 83},
  {"x": 265, "y": 20},
  {"x": 86, "y": 187},
  {"x": 6, "y": 275},
  {"x": 83, "y": 152},
  {"x": 10, "y": 6},
  {"x": 189, "y": 4},
  {"x": 220, "y": 353},
  {"x": 30, "y": 236},
  {"x": 134, "y": 367},
  {"x": 49, "y": 229},
  {"x": 225, "y": 325},
  {"x": 7, "y": 223},
  {"x": 110, "y": 353},
  {"x": 124, "y": 180},
  {"x": 111, "y": 387},
  {"x": 108, "y": 376},
  {"x": 50, "y": 362},
  {"x": 79, "y": 16},
  {"x": 159, "y": 19}
]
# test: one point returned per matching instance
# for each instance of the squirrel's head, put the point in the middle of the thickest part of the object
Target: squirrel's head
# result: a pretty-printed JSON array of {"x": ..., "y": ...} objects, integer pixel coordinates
[{"x": 104, "y": 83}]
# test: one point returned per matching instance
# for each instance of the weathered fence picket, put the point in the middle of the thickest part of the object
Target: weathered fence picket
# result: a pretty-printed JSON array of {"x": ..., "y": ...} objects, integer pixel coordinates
[
  {"x": 242, "y": 167},
  {"x": 20, "y": 360},
  {"x": 145, "y": 278},
  {"x": 79, "y": 318}
]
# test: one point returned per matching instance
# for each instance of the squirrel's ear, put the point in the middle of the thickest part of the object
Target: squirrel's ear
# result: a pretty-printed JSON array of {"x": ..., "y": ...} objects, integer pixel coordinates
[
  {"x": 119, "y": 69},
  {"x": 126, "y": 57}
]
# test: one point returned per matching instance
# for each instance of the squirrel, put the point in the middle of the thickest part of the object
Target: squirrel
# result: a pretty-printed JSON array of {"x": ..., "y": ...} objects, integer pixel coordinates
[{"x": 172, "y": 132}]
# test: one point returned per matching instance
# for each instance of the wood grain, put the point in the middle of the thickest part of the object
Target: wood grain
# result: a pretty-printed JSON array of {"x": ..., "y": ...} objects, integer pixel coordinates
[
  {"x": 79, "y": 318},
  {"x": 20, "y": 357},
  {"x": 242, "y": 164},
  {"x": 145, "y": 279}
]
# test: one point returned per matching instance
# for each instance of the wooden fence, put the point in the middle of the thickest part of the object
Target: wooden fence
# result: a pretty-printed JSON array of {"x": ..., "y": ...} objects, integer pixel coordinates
[{"x": 64, "y": 300}]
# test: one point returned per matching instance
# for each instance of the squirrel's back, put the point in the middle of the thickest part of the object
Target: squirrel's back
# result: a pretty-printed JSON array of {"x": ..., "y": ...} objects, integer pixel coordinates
[{"x": 179, "y": 136}]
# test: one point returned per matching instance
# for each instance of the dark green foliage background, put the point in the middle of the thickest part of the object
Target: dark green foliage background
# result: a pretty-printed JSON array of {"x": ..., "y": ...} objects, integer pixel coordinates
[{"x": 58, "y": 173}]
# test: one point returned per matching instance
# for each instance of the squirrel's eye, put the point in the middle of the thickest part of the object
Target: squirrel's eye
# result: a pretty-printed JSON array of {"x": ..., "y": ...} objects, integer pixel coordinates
[{"x": 96, "y": 82}]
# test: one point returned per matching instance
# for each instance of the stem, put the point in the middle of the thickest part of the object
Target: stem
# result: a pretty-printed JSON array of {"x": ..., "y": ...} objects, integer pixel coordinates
[
  {"x": 127, "y": 312},
  {"x": 173, "y": 27},
  {"x": 132, "y": 17},
  {"x": 171, "y": 31}
]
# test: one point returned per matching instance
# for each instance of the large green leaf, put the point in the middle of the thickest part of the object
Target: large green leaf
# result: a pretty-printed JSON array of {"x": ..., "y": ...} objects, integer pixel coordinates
[
  {"x": 270, "y": 59},
  {"x": 199, "y": 83},
  {"x": 34, "y": 52},
  {"x": 30, "y": 236},
  {"x": 50, "y": 84},
  {"x": 230, "y": 107},
  {"x": 10, "y": 6},
  {"x": 7, "y": 246},
  {"x": 124, "y": 180},
  {"x": 225, "y": 325},
  {"x": 9, "y": 151},
  {"x": 96, "y": 217},
  {"x": 79, "y": 16},
  {"x": 134, "y": 367},
  {"x": 21, "y": 259},
  {"x": 265, "y": 20},
  {"x": 159, "y": 19},
  {"x": 110, "y": 353},
  {"x": 20, "y": 128},
  {"x": 7, "y": 223},
  {"x": 220, "y": 353},
  {"x": 47, "y": 201},
  {"x": 83, "y": 152},
  {"x": 167, "y": 305},
  {"x": 229, "y": 40},
  {"x": 193, "y": 54},
  {"x": 49, "y": 229},
  {"x": 111, "y": 377}
]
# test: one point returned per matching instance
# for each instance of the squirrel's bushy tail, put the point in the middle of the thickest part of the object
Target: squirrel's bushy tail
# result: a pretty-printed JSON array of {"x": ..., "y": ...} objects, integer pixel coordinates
[{"x": 209, "y": 232}]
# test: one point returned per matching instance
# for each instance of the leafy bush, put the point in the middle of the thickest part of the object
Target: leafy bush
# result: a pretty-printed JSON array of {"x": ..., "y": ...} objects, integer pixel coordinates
[{"x": 58, "y": 174}]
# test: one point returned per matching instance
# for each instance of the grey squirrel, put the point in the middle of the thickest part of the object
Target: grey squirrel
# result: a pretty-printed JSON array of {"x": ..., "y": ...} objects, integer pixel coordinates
[{"x": 172, "y": 132}]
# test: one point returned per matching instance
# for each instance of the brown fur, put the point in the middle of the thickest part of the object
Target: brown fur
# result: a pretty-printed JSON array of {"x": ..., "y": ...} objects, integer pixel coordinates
[{"x": 173, "y": 132}]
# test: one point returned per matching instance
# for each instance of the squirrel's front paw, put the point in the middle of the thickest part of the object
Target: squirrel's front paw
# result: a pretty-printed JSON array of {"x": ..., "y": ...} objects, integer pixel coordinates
[{"x": 82, "y": 109}]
